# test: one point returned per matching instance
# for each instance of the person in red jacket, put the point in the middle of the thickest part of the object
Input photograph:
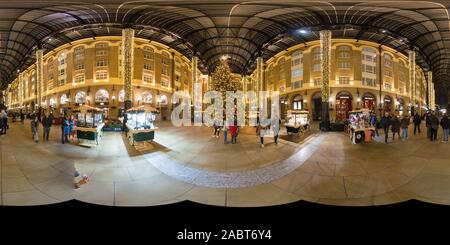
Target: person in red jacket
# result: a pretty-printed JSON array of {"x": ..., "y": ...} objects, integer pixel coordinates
[{"x": 234, "y": 133}]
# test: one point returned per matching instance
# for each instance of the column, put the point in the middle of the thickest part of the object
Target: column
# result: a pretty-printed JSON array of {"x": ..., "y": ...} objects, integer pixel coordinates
[
  {"x": 194, "y": 72},
  {"x": 259, "y": 74},
  {"x": 412, "y": 79},
  {"x": 20, "y": 89},
  {"x": 39, "y": 76},
  {"x": 429, "y": 88},
  {"x": 128, "y": 65},
  {"x": 325, "y": 57}
]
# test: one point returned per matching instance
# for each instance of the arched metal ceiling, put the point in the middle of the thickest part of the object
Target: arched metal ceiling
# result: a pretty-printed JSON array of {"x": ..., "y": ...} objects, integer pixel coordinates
[{"x": 241, "y": 30}]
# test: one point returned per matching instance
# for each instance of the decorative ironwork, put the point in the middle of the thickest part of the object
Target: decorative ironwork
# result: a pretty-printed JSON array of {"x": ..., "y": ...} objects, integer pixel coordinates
[
  {"x": 39, "y": 75},
  {"x": 412, "y": 76}
]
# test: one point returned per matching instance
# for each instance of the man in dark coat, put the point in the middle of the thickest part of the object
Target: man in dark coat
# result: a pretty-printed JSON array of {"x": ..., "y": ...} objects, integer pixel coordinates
[
  {"x": 434, "y": 125},
  {"x": 417, "y": 121},
  {"x": 395, "y": 127},
  {"x": 47, "y": 122},
  {"x": 385, "y": 124}
]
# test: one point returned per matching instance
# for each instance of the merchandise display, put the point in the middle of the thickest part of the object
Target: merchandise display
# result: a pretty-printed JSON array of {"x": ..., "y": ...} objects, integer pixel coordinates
[
  {"x": 297, "y": 121},
  {"x": 359, "y": 126},
  {"x": 89, "y": 123},
  {"x": 141, "y": 123}
]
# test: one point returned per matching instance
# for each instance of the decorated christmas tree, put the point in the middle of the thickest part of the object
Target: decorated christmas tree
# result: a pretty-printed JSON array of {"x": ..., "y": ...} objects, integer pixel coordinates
[{"x": 223, "y": 80}]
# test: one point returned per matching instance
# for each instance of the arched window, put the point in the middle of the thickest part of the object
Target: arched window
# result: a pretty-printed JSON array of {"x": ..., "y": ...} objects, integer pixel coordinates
[
  {"x": 80, "y": 97},
  {"x": 147, "y": 98},
  {"x": 162, "y": 100},
  {"x": 102, "y": 96},
  {"x": 121, "y": 95},
  {"x": 297, "y": 102},
  {"x": 63, "y": 99}
]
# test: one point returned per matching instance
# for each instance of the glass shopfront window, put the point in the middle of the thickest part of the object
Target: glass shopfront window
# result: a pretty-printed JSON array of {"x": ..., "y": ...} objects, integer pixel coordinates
[{"x": 343, "y": 105}]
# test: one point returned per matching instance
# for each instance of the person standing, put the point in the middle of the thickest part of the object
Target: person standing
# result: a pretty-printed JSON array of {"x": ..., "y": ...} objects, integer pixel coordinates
[
  {"x": 395, "y": 127},
  {"x": 47, "y": 122},
  {"x": 445, "y": 123},
  {"x": 64, "y": 129},
  {"x": 225, "y": 134},
  {"x": 428, "y": 124},
  {"x": 34, "y": 129},
  {"x": 233, "y": 132},
  {"x": 216, "y": 129},
  {"x": 404, "y": 123},
  {"x": 417, "y": 120},
  {"x": 4, "y": 118},
  {"x": 386, "y": 123},
  {"x": 72, "y": 124},
  {"x": 434, "y": 125},
  {"x": 373, "y": 122},
  {"x": 276, "y": 122},
  {"x": 22, "y": 117}
]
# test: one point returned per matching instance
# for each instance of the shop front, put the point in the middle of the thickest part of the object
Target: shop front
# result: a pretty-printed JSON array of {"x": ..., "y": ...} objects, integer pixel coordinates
[
  {"x": 344, "y": 102},
  {"x": 369, "y": 102}
]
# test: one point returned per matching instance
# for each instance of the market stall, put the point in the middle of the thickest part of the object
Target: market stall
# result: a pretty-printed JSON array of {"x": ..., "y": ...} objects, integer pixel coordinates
[
  {"x": 359, "y": 128},
  {"x": 89, "y": 123},
  {"x": 297, "y": 121},
  {"x": 141, "y": 124}
]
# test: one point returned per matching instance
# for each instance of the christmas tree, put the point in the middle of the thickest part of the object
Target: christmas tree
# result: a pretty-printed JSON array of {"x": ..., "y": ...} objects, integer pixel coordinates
[{"x": 223, "y": 80}]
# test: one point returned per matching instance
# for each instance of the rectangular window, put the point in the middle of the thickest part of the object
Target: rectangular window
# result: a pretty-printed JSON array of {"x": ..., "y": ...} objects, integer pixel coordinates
[
  {"x": 387, "y": 86},
  {"x": 296, "y": 62},
  {"x": 101, "y": 45},
  {"x": 165, "y": 61},
  {"x": 147, "y": 78},
  {"x": 388, "y": 73},
  {"x": 79, "y": 56},
  {"x": 297, "y": 84},
  {"x": 101, "y": 75},
  {"x": 79, "y": 66},
  {"x": 281, "y": 74},
  {"x": 102, "y": 63},
  {"x": 79, "y": 78},
  {"x": 62, "y": 72},
  {"x": 62, "y": 81},
  {"x": 297, "y": 73},
  {"x": 316, "y": 67},
  {"x": 368, "y": 68},
  {"x": 164, "y": 82},
  {"x": 387, "y": 63},
  {"x": 101, "y": 52},
  {"x": 369, "y": 81},
  {"x": 317, "y": 56},
  {"x": 62, "y": 62},
  {"x": 50, "y": 85},
  {"x": 344, "y": 65},
  {"x": 344, "y": 55},
  {"x": 148, "y": 56},
  {"x": 344, "y": 80},
  {"x": 370, "y": 58},
  {"x": 148, "y": 66},
  {"x": 297, "y": 105},
  {"x": 50, "y": 77},
  {"x": 165, "y": 71},
  {"x": 317, "y": 81}
]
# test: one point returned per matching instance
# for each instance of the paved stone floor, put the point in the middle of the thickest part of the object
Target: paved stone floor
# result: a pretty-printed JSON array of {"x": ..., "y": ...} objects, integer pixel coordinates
[{"x": 190, "y": 164}]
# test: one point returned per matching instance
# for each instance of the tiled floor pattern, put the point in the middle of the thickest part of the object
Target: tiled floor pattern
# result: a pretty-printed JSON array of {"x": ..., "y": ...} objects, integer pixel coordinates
[{"x": 327, "y": 169}]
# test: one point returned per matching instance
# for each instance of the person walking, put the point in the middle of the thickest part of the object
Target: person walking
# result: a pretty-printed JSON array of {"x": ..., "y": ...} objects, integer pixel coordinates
[
  {"x": 64, "y": 129},
  {"x": 417, "y": 121},
  {"x": 35, "y": 129},
  {"x": 445, "y": 124},
  {"x": 22, "y": 117},
  {"x": 385, "y": 124},
  {"x": 434, "y": 126},
  {"x": 216, "y": 129},
  {"x": 404, "y": 123},
  {"x": 47, "y": 122},
  {"x": 261, "y": 132},
  {"x": 395, "y": 127},
  {"x": 428, "y": 124},
  {"x": 276, "y": 122}
]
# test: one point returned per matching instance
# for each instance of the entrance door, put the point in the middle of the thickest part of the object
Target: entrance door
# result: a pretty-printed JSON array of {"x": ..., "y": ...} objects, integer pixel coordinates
[
  {"x": 317, "y": 111},
  {"x": 369, "y": 104}
]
